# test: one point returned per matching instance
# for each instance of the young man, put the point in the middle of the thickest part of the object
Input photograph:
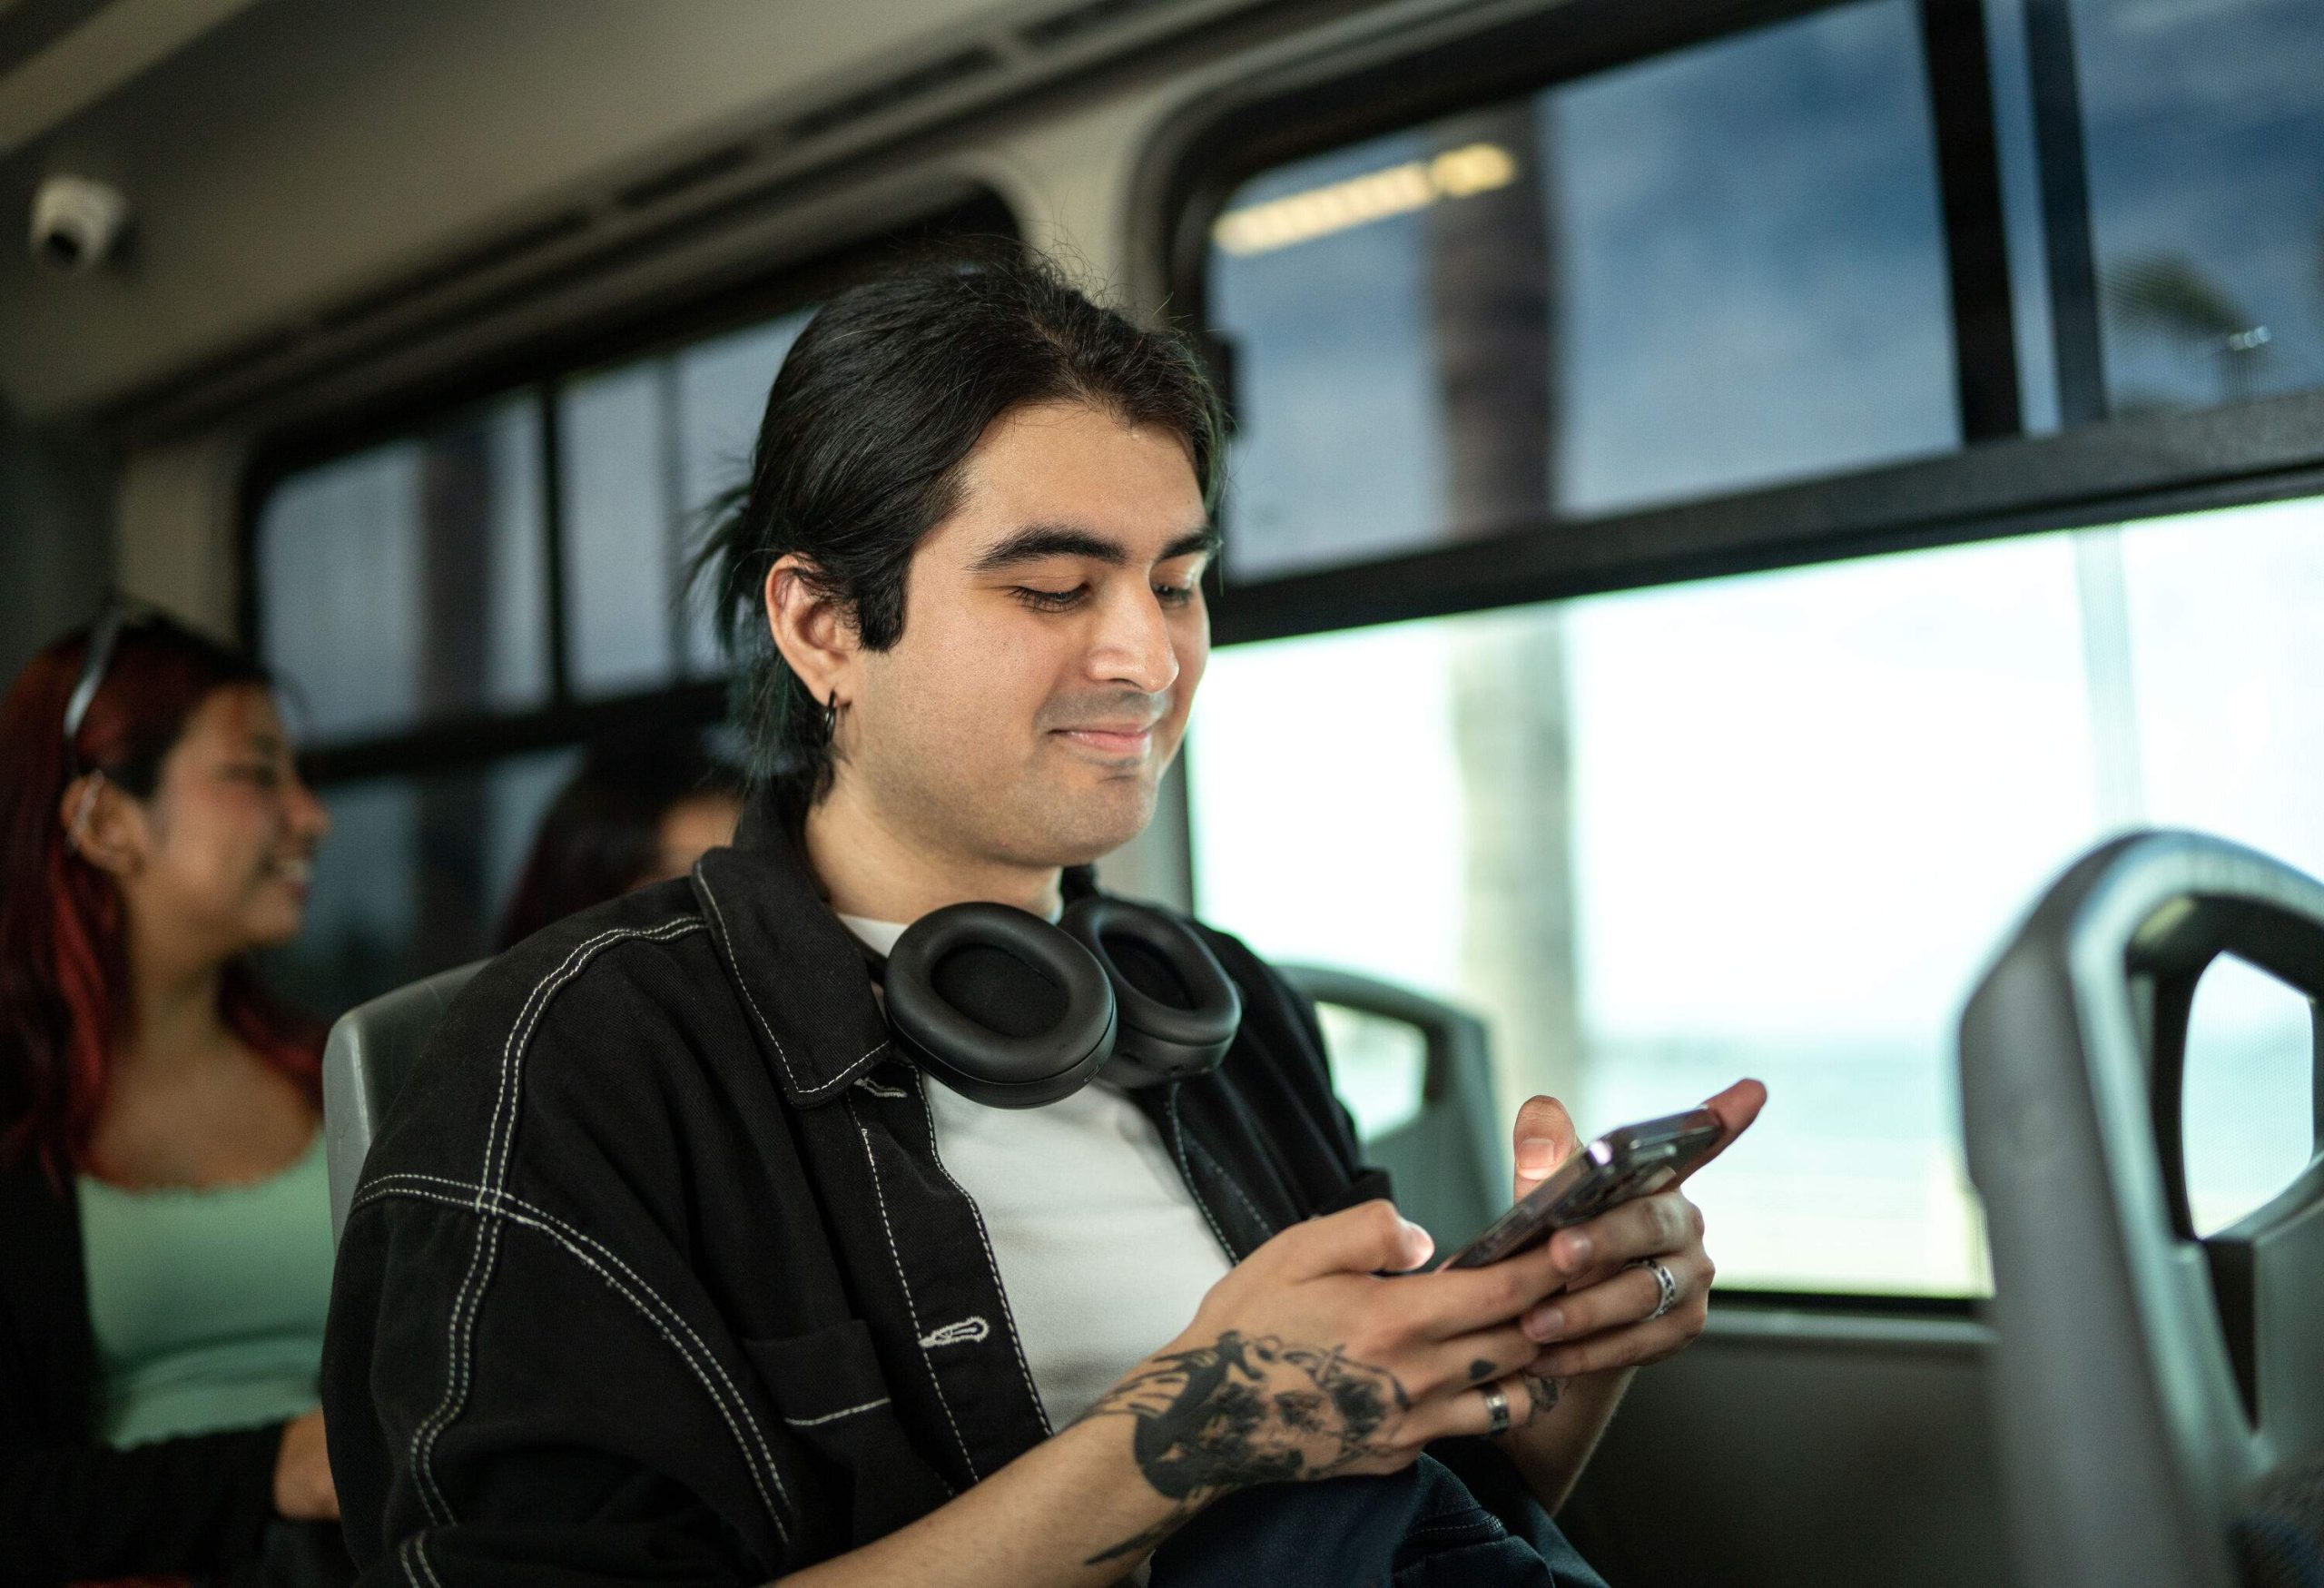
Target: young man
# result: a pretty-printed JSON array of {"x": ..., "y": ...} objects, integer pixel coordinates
[{"x": 669, "y": 1267}]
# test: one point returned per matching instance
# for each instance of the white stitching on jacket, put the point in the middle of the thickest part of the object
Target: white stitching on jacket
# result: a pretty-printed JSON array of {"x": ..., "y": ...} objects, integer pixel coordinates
[
  {"x": 1265, "y": 1226},
  {"x": 500, "y": 1208},
  {"x": 834, "y": 1416},
  {"x": 488, "y": 1200},
  {"x": 569, "y": 1232},
  {"x": 499, "y": 1145},
  {"x": 461, "y": 1329},
  {"x": 415, "y": 1549},
  {"x": 726, "y": 942},
  {"x": 431, "y": 1496},
  {"x": 480, "y": 1260},
  {"x": 911, "y": 1309},
  {"x": 984, "y": 1239},
  {"x": 1178, "y": 1146},
  {"x": 439, "y": 1509}
]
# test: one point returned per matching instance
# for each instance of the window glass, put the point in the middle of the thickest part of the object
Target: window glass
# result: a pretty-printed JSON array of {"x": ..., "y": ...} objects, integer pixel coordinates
[
  {"x": 644, "y": 448},
  {"x": 620, "y": 560},
  {"x": 2205, "y": 151},
  {"x": 1717, "y": 268},
  {"x": 407, "y": 582},
  {"x": 413, "y": 877},
  {"x": 1771, "y": 826},
  {"x": 2249, "y": 1121}
]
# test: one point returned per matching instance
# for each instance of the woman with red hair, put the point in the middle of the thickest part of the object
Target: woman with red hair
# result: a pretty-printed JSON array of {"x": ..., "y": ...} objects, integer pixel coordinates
[{"x": 165, "y": 1225}]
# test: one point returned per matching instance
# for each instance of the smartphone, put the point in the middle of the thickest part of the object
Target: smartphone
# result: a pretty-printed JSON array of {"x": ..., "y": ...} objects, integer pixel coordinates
[{"x": 1636, "y": 1160}]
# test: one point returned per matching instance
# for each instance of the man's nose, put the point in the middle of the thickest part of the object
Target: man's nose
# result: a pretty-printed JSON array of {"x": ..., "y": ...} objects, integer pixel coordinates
[{"x": 1133, "y": 644}]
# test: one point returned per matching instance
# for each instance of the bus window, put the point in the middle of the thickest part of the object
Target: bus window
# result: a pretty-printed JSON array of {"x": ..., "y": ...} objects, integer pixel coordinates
[
  {"x": 404, "y": 591},
  {"x": 408, "y": 581},
  {"x": 646, "y": 447},
  {"x": 1710, "y": 270},
  {"x": 1773, "y": 824}
]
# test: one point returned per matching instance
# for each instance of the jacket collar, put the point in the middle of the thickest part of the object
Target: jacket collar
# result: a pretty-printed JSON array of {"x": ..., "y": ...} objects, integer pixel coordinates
[
  {"x": 802, "y": 979},
  {"x": 803, "y": 985}
]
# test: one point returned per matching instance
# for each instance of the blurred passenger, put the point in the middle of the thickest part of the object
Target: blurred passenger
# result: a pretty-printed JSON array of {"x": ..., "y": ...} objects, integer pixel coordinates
[
  {"x": 634, "y": 813},
  {"x": 165, "y": 1224}
]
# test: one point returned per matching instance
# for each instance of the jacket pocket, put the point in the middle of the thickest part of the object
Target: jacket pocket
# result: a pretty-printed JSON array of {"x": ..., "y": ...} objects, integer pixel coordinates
[{"x": 833, "y": 1395}]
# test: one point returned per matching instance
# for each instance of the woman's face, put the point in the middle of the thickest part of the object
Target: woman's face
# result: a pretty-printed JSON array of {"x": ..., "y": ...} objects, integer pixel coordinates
[{"x": 219, "y": 858}]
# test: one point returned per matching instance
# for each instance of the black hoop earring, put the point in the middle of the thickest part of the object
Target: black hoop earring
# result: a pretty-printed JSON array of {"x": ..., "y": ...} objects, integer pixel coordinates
[{"x": 830, "y": 715}]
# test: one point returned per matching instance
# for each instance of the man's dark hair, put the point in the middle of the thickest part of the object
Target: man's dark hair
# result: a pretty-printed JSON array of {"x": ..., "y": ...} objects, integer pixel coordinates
[{"x": 874, "y": 411}]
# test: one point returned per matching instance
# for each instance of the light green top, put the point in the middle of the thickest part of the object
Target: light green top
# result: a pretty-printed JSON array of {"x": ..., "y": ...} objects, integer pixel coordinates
[{"x": 208, "y": 1303}]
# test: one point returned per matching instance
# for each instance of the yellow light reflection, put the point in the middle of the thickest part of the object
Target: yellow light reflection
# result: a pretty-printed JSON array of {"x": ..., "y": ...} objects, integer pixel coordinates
[{"x": 1358, "y": 201}]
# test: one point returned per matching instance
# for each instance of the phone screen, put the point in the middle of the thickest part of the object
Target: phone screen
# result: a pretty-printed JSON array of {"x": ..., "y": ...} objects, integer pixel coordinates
[{"x": 1636, "y": 1160}]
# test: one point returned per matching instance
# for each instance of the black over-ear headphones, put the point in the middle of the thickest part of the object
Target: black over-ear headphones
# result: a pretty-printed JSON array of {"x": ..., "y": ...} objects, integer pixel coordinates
[{"x": 1013, "y": 1013}]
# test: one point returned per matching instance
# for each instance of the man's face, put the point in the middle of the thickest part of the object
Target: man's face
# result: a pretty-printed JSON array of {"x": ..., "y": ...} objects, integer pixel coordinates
[{"x": 1054, "y": 632}]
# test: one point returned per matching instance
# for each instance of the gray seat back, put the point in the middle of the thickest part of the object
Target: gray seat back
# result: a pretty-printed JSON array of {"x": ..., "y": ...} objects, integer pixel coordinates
[
  {"x": 372, "y": 1049},
  {"x": 1449, "y": 1163},
  {"x": 2151, "y": 1388}
]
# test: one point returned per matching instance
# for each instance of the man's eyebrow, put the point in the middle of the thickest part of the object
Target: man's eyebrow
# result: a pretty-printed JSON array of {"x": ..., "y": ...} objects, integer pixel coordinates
[
  {"x": 1037, "y": 542},
  {"x": 1205, "y": 541}
]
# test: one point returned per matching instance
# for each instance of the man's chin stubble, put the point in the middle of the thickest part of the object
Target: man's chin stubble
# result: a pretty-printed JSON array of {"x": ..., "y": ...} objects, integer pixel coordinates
[{"x": 1080, "y": 830}]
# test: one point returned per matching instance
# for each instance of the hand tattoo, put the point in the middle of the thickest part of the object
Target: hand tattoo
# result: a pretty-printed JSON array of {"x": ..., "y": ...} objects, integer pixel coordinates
[
  {"x": 1479, "y": 1370},
  {"x": 1544, "y": 1392},
  {"x": 1246, "y": 1411}
]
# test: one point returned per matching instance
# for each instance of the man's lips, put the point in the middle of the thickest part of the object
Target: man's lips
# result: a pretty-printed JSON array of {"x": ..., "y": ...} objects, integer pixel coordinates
[{"x": 1119, "y": 738}]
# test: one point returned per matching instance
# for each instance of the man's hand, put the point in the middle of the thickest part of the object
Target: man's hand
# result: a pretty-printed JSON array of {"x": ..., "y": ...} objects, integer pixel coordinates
[
  {"x": 1308, "y": 1360},
  {"x": 1604, "y": 1322}
]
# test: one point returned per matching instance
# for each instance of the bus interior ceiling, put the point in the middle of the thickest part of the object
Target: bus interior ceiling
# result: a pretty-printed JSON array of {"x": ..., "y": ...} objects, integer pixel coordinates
[{"x": 1897, "y": 473}]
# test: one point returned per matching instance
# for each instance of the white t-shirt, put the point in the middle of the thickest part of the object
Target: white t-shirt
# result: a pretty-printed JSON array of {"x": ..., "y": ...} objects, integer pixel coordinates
[{"x": 1104, "y": 1253}]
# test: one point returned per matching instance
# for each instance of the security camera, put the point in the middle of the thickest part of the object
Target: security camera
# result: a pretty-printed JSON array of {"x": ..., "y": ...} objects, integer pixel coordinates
[{"x": 76, "y": 223}]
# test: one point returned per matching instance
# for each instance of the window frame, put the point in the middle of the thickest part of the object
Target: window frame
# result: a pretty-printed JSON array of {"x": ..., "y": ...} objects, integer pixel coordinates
[
  {"x": 537, "y": 373},
  {"x": 2001, "y": 482}
]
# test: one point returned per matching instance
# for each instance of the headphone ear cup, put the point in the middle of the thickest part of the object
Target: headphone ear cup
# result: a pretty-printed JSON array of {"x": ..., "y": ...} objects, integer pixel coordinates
[
  {"x": 1179, "y": 1009},
  {"x": 999, "y": 1004}
]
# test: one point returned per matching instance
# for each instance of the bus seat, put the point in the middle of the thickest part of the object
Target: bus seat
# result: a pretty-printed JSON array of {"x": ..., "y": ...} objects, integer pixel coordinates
[
  {"x": 1448, "y": 1163},
  {"x": 371, "y": 1048},
  {"x": 2159, "y": 1398}
]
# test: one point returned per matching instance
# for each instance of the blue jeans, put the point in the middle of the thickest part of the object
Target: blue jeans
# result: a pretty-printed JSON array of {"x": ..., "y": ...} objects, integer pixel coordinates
[{"x": 1428, "y": 1526}]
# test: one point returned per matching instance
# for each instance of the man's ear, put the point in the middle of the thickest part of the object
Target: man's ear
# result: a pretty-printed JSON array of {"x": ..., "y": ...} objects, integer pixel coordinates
[
  {"x": 104, "y": 826},
  {"x": 810, "y": 629}
]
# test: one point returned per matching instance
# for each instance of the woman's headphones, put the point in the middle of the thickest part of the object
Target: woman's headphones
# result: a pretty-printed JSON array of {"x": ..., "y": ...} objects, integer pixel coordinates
[{"x": 1013, "y": 1013}]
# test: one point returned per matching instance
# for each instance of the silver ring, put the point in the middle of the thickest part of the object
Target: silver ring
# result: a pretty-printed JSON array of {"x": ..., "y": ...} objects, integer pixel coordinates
[
  {"x": 1665, "y": 1286},
  {"x": 1496, "y": 1408}
]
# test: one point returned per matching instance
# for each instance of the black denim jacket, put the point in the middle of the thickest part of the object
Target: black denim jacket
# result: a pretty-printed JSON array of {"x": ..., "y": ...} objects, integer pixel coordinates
[{"x": 654, "y": 1274}]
